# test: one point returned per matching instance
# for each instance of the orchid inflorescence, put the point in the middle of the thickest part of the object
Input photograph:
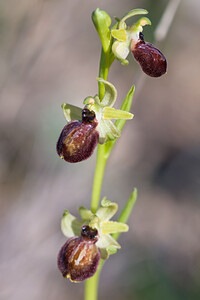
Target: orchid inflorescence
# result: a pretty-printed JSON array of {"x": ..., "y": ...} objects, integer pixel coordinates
[{"x": 90, "y": 237}]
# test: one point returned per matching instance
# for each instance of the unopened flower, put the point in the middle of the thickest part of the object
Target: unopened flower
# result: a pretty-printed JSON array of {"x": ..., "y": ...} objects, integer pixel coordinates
[
  {"x": 89, "y": 239},
  {"x": 151, "y": 60}
]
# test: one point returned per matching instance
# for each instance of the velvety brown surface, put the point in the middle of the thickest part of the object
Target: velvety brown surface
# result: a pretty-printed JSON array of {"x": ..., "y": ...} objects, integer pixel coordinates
[
  {"x": 151, "y": 60},
  {"x": 78, "y": 259},
  {"x": 77, "y": 141}
]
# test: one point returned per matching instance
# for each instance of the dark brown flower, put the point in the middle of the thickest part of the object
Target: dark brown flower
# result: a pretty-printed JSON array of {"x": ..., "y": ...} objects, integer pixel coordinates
[
  {"x": 151, "y": 60},
  {"x": 78, "y": 139},
  {"x": 78, "y": 259}
]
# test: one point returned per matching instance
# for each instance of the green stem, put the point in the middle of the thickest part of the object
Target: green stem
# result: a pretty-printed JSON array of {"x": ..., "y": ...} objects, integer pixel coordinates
[
  {"x": 105, "y": 63},
  {"x": 103, "y": 71},
  {"x": 91, "y": 285},
  {"x": 98, "y": 177}
]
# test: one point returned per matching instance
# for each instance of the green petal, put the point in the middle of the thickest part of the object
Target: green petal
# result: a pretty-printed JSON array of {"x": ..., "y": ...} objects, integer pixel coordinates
[
  {"x": 138, "y": 27},
  {"x": 110, "y": 227},
  {"x": 119, "y": 34},
  {"x": 112, "y": 113},
  {"x": 89, "y": 100},
  {"x": 70, "y": 225},
  {"x": 142, "y": 22},
  {"x": 85, "y": 213},
  {"x": 110, "y": 95},
  {"x": 71, "y": 112},
  {"x": 132, "y": 13},
  {"x": 106, "y": 210}
]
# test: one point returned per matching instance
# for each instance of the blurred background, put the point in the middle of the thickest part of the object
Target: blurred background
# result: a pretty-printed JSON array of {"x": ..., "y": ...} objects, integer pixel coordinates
[{"x": 49, "y": 54}]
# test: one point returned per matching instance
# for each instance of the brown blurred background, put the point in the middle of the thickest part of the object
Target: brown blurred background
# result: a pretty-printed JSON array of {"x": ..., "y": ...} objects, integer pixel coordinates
[{"x": 49, "y": 54}]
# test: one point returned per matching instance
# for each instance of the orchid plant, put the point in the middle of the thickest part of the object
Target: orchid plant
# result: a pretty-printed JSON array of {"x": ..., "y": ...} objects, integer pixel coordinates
[{"x": 92, "y": 238}]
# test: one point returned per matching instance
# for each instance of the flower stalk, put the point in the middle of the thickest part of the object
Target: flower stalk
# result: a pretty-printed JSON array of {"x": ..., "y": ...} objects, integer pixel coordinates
[
  {"x": 93, "y": 237},
  {"x": 103, "y": 152}
]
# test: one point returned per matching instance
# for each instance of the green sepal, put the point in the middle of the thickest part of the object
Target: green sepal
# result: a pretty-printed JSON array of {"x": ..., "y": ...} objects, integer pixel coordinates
[
  {"x": 110, "y": 227},
  {"x": 131, "y": 13},
  {"x": 85, "y": 213},
  {"x": 126, "y": 211},
  {"x": 102, "y": 22},
  {"x": 106, "y": 243},
  {"x": 71, "y": 112},
  {"x": 119, "y": 34},
  {"x": 106, "y": 210},
  {"x": 107, "y": 131},
  {"x": 110, "y": 95},
  {"x": 70, "y": 225},
  {"x": 112, "y": 113},
  {"x": 121, "y": 50}
]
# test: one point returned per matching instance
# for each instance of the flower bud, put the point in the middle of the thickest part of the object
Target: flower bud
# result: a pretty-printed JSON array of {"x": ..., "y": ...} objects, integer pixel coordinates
[
  {"x": 78, "y": 259},
  {"x": 151, "y": 60},
  {"x": 78, "y": 139}
]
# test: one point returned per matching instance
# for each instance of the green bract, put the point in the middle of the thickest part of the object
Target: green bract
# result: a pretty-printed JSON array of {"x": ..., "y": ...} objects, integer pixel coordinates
[
  {"x": 125, "y": 36},
  {"x": 102, "y": 22},
  {"x": 71, "y": 226},
  {"x": 104, "y": 112}
]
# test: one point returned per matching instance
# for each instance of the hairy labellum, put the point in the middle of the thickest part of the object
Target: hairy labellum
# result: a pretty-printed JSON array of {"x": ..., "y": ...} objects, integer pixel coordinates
[
  {"x": 78, "y": 259},
  {"x": 151, "y": 60},
  {"x": 78, "y": 139}
]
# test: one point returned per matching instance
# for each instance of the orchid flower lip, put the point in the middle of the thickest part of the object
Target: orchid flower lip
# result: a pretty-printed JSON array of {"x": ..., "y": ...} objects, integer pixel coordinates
[
  {"x": 78, "y": 139},
  {"x": 78, "y": 259}
]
